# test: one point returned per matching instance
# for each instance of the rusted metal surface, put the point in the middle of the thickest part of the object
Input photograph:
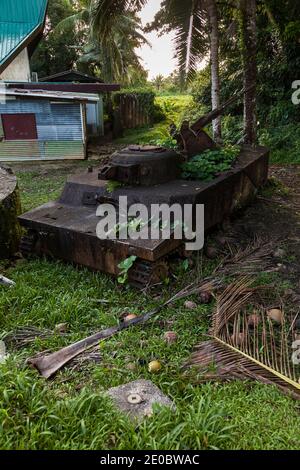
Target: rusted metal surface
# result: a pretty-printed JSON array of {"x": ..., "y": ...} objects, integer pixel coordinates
[
  {"x": 193, "y": 140},
  {"x": 19, "y": 126},
  {"x": 66, "y": 229},
  {"x": 35, "y": 128},
  {"x": 143, "y": 165},
  {"x": 96, "y": 88}
]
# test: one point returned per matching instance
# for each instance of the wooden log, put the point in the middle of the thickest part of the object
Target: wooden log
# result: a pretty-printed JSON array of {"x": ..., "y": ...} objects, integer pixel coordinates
[{"x": 10, "y": 208}]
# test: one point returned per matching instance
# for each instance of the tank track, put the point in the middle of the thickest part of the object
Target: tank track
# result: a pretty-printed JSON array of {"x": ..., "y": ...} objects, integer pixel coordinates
[
  {"x": 145, "y": 273},
  {"x": 27, "y": 244}
]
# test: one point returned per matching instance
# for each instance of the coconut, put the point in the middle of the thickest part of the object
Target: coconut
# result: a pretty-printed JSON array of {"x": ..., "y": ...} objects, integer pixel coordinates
[
  {"x": 130, "y": 316},
  {"x": 276, "y": 315},
  {"x": 170, "y": 337},
  {"x": 190, "y": 305},
  {"x": 154, "y": 366},
  {"x": 205, "y": 297},
  {"x": 254, "y": 320}
]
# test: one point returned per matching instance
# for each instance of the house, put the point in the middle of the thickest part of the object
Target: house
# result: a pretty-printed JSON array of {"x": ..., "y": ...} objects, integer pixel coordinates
[
  {"x": 41, "y": 120},
  {"x": 71, "y": 76},
  {"x": 43, "y": 125},
  {"x": 21, "y": 28}
]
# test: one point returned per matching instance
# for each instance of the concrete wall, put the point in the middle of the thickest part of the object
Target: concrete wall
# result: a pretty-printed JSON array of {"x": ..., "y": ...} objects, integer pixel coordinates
[{"x": 19, "y": 69}]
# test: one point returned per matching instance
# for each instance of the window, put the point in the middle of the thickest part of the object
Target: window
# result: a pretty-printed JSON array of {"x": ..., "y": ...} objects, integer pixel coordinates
[{"x": 19, "y": 126}]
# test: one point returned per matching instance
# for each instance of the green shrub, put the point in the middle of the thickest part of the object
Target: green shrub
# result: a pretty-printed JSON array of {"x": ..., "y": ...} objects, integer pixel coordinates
[
  {"x": 158, "y": 114},
  {"x": 283, "y": 142},
  {"x": 210, "y": 163}
]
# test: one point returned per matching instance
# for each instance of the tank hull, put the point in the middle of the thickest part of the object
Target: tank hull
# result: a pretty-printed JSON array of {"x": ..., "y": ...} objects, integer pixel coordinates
[{"x": 66, "y": 229}]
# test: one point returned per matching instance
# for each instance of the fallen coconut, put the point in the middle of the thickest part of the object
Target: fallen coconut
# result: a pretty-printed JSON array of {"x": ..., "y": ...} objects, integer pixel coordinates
[
  {"x": 129, "y": 317},
  {"x": 154, "y": 366},
  {"x": 276, "y": 315},
  {"x": 254, "y": 320},
  {"x": 205, "y": 297},
  {"x": 170, "y": 337},
  {"x": 190, "y": 305}
]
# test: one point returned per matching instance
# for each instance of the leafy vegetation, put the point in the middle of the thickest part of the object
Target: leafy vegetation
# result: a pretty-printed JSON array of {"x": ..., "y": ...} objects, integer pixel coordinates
[
  {"x": 124, "y": 267},
  {"x": 210, "y": 163},
  {"x": 71, "y": 411},
  {"x": 174, "y": 109}
]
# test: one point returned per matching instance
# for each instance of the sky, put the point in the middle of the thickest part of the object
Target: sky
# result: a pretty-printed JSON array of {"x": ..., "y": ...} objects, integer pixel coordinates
[{"x": 160, "y": 58}]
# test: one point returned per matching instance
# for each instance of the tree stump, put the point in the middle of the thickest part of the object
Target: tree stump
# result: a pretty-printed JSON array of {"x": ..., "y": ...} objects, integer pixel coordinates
[{"x": 10, "y": 208}]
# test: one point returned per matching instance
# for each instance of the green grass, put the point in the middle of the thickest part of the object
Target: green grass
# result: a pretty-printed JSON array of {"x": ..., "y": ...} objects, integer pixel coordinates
[
  {"x": 71, "y": 411},
  {"x": 283, "y": 140},
  {"x": 174, "y": 107}
]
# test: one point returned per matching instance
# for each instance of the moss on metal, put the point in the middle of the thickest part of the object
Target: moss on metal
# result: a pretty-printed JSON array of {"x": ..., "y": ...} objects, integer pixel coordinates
[{"x": 10, "y": 208}]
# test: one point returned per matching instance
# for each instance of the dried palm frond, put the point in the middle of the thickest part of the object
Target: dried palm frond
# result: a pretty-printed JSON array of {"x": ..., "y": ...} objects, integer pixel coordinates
[
  {"x": 256, "y": 257},
  {"x": 22, "y": 337},
  {"x": 263, "y": 352}
]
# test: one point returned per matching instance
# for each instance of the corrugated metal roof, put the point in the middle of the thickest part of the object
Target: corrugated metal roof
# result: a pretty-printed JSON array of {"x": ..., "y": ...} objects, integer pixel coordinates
[
  {"x": 60, "y": 95},
  {"x": 19, "y": 21}
]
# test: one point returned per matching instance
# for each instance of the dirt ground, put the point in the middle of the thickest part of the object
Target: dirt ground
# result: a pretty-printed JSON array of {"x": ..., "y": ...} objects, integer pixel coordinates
[{"x": 274, "y": 218}]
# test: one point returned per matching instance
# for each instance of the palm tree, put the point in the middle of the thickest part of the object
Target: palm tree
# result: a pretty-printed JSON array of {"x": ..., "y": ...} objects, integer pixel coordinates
[
  {"x": 248, "y": 12},
  {"x": 190, "y": 19},
  {"x": 212, "y": 13},
  {"x": 113, "y": 51},
  {"x": 158, "y": 82}
]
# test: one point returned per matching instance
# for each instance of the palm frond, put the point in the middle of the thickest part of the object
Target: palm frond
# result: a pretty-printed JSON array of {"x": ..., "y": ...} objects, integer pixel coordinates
[
  {"x": 188, "y": 20},
  {"x": 261, "y": 352},
  {"x": 105, "y": 12},
  {"x": 71, "y": 21},
  {"x": 256, "y": 257}
]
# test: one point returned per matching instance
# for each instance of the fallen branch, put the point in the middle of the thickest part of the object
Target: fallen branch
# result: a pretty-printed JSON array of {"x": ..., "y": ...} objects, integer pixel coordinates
[{"x": 50, "y": 364}]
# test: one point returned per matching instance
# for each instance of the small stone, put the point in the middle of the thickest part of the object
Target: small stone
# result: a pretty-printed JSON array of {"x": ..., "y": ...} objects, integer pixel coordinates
[
  {"x": 190, "y": 305},
  {"x": 137, "y": 398}
]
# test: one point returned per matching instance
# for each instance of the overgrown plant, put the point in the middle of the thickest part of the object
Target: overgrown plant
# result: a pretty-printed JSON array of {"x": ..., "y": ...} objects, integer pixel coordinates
[
  {"x": 124, "y": 267},
  {"x": 210, "y": 163}
]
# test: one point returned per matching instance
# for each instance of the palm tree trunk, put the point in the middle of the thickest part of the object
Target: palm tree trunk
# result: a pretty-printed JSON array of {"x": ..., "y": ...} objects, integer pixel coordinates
[
  {"x": 248, "y": 11},
  {"x": 214, "y": 58}
]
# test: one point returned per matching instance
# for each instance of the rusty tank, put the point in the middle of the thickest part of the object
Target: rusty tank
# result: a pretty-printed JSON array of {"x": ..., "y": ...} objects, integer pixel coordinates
[{"x": 66, "y": 229}]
